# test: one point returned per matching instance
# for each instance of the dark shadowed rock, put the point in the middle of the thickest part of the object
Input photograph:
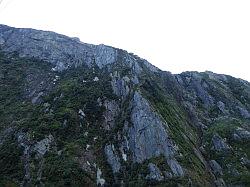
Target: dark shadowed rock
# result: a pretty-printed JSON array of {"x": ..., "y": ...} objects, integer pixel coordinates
[
  {"x": 220, "y": 183},
  {"x": 216, "y": 168}
]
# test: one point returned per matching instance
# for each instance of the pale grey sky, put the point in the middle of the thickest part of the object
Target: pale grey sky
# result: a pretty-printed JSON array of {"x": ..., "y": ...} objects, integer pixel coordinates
[{"x": 175, "y": 35}]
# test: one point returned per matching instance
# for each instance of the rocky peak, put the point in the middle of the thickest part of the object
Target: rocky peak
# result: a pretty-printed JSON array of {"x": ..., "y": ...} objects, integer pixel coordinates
[{"x": 60, "y": 50}]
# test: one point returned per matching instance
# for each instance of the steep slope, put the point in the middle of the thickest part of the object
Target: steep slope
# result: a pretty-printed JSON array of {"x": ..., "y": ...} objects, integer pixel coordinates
[{"x": 83, "y": 115}]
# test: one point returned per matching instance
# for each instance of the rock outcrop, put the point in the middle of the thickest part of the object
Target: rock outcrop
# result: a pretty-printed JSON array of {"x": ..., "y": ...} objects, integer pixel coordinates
[
  {"x": 120, "y": 85},
  {"x": 216, "y": 168},
  {"x": 219, "y": 144},
  {"x": 112, "y": 158},
  {"x": 241, "y": 134},
  {"x": 110, "y": 114},
  {"x": 77, "y": 114},
  {"x": 43, "y": 146},
  {"x": 147, "y": 137},
  {"x": 175, "y": 167},
  {"x": 154, "y": 173}
]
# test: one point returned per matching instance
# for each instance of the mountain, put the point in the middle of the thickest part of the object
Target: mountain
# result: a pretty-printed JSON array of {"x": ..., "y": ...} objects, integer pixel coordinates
[{"x": 76, "y": 114}]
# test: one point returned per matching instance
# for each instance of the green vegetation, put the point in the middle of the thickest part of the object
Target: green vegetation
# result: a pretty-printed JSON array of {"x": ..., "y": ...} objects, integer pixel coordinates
[
  {"x": 229, "y": 161},
  {"x": 11, "y": 165},
  {"x": 63, "y": 171},
  {"x": 184, "y": 135},
  {"x": 68, "y": 92},
  {"x": 57, "y": 115}
]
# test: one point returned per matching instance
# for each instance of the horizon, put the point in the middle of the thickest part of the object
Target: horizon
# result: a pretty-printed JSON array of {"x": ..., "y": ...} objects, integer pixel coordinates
[{"x": 200, "y": 37}]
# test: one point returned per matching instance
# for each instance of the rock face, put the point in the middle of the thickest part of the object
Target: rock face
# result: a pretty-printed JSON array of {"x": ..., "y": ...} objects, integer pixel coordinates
[
  {"x": 241, "y": 134},
  {"x": 40, "y": 149},
  {"x": 244, "y": 112},
  {"x": 24, "y": 141},
  {"x": 222, "y": 108},
  {"x": 43, "y": 146},
  {"x": 29, "y": 42},
  {"x": 112, "y": 110},
  {"x": 99, "y": 181},
  {"x": 219, "y": 144},
  {"x": 76, "y": 114},
  {"x": 194, "y": 83},
  {"x": 112, "y": 158},
  {"x": 60, "y": 50},
  {"x": 175, "y": 167},
  {"x": 220, "y": 182},
  {"x": 155, "y": 173},
  {"x": 216, "y": 168},
  {"x": 119, "y": 85},
  {"x": 147, "y": 137},
  {"x": 104, "y": 55}
]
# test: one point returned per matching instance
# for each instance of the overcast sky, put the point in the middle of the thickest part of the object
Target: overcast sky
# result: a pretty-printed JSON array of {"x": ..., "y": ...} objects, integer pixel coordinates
[{"x": 175, "y": 35}]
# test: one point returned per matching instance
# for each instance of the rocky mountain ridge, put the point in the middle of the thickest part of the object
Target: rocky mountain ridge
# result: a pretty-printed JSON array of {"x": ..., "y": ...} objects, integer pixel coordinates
[{"x": 78, "y": 114}]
